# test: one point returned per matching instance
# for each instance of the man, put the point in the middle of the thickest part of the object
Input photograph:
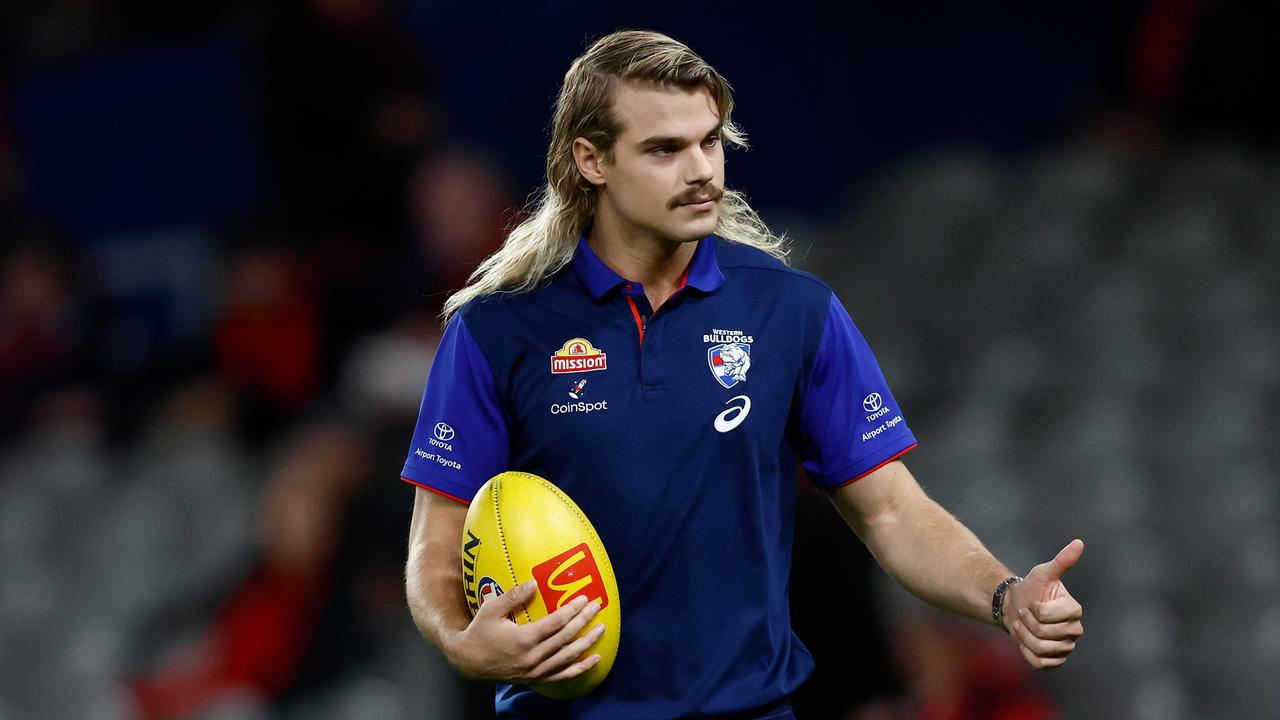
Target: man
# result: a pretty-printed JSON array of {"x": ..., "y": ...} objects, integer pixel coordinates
[{"x": 713, "y": 369}]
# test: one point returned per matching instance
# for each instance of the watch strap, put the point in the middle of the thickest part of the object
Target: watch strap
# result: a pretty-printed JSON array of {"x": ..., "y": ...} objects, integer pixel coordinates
[{"x": 997, "y": 599}]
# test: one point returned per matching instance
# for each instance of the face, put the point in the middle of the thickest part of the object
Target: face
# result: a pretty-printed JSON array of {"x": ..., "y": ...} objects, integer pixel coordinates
[{"x": 665, "y": 177}]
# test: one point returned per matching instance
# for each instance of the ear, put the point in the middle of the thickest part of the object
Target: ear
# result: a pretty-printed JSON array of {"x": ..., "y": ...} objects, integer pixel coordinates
[{"x": 590, "y": 161}]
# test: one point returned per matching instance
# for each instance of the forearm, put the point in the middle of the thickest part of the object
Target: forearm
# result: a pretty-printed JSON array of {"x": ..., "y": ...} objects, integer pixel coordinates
[
  {"x": 433, "y": 575},
  {"x": 935, "y": 557},
  {"x": 921, "y": 545}
]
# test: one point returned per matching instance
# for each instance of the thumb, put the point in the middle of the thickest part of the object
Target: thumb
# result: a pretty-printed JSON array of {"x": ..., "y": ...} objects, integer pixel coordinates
[
  {"x": 509, "y": 602},
  {"x": 1066, "y": 559}
]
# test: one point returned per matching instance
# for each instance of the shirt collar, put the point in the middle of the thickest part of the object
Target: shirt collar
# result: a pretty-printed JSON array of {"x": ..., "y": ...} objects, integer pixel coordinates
[{"x": 703, "y": 272}]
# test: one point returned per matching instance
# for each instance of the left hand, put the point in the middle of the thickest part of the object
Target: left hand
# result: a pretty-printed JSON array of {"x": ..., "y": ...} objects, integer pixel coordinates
[{"x": 1041, "y": 616}]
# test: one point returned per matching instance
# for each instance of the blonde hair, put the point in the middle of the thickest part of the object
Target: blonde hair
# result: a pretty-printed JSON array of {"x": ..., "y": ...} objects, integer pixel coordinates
[{"x": 560, "y": 211}]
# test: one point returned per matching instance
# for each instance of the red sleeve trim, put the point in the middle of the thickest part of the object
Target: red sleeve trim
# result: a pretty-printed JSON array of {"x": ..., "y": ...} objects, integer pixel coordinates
[
  {"x": 904, "y": 451},
  {"x": 438, "y": 492}
]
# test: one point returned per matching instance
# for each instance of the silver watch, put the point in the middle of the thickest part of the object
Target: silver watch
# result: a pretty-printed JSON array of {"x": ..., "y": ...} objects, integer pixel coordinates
[{"x": 997, "y": 600}]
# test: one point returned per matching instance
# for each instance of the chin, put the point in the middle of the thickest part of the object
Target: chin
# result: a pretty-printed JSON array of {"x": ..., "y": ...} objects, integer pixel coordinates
[{"x": 694, "y": 231}]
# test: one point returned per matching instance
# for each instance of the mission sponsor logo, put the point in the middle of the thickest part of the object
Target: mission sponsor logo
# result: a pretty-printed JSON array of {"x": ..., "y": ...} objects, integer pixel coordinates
[
  {"x": 576, "y": 356},
  {"x": 566, "y": 576}
]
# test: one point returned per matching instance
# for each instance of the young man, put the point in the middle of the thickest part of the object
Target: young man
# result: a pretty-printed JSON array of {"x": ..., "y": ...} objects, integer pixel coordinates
[{"x": 713, "y": 369}]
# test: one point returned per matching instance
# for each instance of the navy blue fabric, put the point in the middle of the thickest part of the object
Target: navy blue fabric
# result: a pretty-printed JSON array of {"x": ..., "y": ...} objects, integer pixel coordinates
[
  {"x": 450, "y": 456},
  {"x": 681, "y": 449}
]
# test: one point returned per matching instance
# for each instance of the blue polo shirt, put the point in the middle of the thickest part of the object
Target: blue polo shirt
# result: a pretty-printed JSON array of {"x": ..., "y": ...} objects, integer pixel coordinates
[{"x": 678, "y": 433}]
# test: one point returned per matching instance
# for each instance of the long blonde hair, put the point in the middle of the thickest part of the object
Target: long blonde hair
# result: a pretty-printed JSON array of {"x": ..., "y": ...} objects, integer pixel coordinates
[{"x": 546, "y": 240}]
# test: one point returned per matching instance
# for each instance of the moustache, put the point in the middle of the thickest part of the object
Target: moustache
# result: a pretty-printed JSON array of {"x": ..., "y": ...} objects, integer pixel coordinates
[{"x": 702, "y": 194}]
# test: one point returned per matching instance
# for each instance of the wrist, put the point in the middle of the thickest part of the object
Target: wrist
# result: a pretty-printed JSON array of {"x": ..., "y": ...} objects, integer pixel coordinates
[{"x": 1000, "y": 602}]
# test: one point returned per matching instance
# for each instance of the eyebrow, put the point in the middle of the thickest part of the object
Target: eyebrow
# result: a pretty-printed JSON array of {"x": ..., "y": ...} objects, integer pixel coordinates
[{"x": 664, "y": 140}]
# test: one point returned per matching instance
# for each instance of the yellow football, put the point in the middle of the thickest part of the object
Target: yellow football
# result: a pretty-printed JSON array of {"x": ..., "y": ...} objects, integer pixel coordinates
[{"x": 521, "y": 527}]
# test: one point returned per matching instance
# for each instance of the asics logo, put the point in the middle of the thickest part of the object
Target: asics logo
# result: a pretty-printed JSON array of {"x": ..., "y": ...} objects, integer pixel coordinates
[{"x": 733, "y": 417}]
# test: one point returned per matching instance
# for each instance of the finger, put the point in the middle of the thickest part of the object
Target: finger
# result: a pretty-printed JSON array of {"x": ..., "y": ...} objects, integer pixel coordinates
[
  {"x": 569, "y": 653},
  {"x": 543, "y": 628},
  {"x": 574, "y": 670},
  {"x": 1042, "y": 648},
  {"x": 566, "y": 634},
  {"x": 1041, "y": 662},
  {"x": 509, "y": 602},
  {"x": 1059, "y": 609},
  {"x": 1066, "y": 559},
  {"x": 1051, "y": 631}
]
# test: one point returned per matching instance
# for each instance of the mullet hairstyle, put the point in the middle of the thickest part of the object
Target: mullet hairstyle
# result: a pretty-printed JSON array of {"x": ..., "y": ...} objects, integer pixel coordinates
[{"x": 562, "y": 209}]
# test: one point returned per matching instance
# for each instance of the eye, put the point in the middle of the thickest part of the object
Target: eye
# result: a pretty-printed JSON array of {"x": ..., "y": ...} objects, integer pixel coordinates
[
  {"x": 663, "y": 150},
  {"x": 711, "y": 141}
]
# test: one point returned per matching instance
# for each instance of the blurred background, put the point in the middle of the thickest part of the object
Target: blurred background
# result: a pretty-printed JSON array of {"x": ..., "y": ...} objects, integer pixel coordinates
[{"x": 226, "y": 229}]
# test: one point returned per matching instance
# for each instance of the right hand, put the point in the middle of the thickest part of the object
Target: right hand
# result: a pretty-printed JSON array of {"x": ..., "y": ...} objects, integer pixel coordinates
[{"x": 492, "y": 648}]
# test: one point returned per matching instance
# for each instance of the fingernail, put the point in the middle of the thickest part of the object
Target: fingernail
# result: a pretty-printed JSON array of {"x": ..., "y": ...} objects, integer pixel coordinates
[
  {"x": 1017, "y": 625},
  {"x": 1022, "y": 612}
]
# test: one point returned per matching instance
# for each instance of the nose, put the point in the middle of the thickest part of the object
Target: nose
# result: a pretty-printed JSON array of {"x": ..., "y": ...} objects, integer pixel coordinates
[{"x": 699, "y": 170}]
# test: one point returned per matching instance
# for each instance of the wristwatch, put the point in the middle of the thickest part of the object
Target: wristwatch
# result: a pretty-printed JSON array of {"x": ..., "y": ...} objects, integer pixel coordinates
[{"x": 997, "y": 600}]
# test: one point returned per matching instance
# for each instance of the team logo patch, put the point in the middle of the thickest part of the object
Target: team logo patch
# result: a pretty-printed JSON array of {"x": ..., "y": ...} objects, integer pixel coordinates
[
  {"x": 575, "y": 356},
  {"x": 729, "y": 362},
  {"x": 566, "y": 576},
  {"x": 488, "y": 590}
]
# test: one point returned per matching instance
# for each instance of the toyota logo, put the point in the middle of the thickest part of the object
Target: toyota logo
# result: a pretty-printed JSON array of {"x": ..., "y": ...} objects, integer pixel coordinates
[
  {"x": 870, "y": 403},
  {"x": 444, "y": 433}
]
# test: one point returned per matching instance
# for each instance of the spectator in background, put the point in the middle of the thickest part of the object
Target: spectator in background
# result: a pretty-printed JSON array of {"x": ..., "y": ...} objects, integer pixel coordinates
[
  {"x": 1192, "y": 69},
  {"x": 343, "y": 90},
  {"x": 263, "y": 632},
  {"x": 45, "y": 332},
  {"x": 268, "y": 334},
  {"x": 955, "y": 673},
  {"x": 344, "y": 98},
  {"x": 456, "y": 203},
  {"x": 458, "y": 206}
]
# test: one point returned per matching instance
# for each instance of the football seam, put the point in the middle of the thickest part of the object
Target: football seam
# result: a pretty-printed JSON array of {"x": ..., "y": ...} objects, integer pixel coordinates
[
  {"x": 506, "y": 551},
  {"x": 568, "y": 502}
]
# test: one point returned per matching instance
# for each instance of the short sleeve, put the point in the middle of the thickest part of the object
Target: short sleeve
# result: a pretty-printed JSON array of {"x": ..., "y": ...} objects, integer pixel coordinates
[
  {"x": 461, "y": 439},
  {"x": 849, "y": 423}
]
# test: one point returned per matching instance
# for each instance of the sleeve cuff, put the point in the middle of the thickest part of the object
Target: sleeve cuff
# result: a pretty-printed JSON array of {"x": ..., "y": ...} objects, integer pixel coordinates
[
  {"x": 865, "y": 466},
  {"x": 437, "y": 485}
]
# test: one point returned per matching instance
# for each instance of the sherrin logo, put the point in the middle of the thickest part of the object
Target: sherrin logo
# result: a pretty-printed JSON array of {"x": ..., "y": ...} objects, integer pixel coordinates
[
  {"x": 576, "y": 356},
  {"x": 568, "y": 575},
  {"x": 470, "y": 554}
]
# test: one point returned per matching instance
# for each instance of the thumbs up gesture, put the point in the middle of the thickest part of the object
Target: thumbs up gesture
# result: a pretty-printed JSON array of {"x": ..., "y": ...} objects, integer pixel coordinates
[{"x": 1041, "y": 616}]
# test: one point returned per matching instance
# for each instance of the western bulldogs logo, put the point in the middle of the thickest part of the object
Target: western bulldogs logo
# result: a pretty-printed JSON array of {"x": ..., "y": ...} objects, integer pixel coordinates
[{"x": 729, "y": 362}]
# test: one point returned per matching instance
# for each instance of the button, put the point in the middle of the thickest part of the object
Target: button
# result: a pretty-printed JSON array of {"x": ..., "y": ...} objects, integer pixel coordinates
[{"x": 628, "y": 286}]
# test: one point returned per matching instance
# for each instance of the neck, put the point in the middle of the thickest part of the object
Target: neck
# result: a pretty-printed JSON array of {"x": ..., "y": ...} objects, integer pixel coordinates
[{"x": 637, "y": 255}]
